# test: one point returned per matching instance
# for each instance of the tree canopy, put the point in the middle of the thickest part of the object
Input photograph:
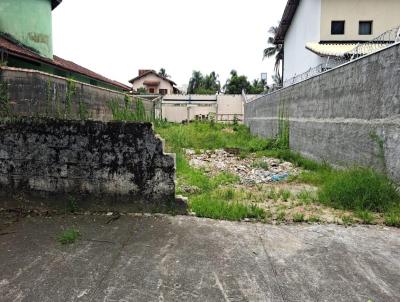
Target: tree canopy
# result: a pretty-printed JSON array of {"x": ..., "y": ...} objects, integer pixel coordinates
[
  {"x": 204, "y": 84},
  {"x": 237, "y": 83}
]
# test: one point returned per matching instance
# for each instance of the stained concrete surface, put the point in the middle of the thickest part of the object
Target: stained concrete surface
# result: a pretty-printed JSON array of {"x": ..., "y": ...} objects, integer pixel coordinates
[{"x": 162, "y": 258}]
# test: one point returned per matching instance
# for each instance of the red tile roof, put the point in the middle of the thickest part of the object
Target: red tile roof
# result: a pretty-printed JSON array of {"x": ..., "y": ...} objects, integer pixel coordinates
[
  {"x": 21, "y": 51},
  {"x": 151, "y": 72}
]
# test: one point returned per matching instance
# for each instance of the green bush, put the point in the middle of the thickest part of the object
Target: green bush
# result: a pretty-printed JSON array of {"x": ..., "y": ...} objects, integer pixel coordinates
[{"x": 359, "y": 189}]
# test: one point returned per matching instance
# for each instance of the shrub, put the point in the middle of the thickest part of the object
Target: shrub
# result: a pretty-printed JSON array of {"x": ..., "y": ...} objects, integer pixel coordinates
[{"x": 359, "y": 189}]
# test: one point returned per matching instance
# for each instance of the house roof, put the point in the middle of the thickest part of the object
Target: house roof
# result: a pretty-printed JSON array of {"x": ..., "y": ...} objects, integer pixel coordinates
[
  {"x": 286, "y": 21},
  {"x": 23, "y": 52},
  {"x": 152, "y": 72},
  {"x": 55, "y": 3},
  {"x": 343, "y": 49}
]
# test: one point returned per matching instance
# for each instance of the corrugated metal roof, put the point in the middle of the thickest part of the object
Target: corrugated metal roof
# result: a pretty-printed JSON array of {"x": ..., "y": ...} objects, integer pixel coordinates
[{"x": 338, "y": 49}]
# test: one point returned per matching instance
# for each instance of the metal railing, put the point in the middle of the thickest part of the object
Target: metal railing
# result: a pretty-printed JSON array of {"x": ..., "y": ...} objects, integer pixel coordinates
[
  {"x": 383, "y": 41},
  {"x": 330, "y": 63}
]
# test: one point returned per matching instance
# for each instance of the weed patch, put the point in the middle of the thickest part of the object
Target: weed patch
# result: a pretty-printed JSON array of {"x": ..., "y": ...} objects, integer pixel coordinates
[
  {"x": 359, "y": 189},
  {"x": 206, "y": 206},
  {"x": 298, "y": 217},
  {"x": 69, "y": 236}
]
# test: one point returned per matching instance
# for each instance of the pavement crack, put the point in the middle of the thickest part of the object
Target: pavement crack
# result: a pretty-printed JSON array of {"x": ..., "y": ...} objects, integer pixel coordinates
[
  {"x": 272, "y": 265},
  {"x": 221, "y": 287},
  {"x": 111, "y": 266}
]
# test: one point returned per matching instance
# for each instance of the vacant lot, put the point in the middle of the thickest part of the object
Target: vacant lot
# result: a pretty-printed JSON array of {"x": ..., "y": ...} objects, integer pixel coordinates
[{"x": 229, "y": 174}]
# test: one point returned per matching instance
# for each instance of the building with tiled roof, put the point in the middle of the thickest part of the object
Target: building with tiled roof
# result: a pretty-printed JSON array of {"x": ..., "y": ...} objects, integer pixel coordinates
[
  {"x": 26, "y": 42},
  {"x": 312, "y": 31},
  {"x": 153, "y": 83}
]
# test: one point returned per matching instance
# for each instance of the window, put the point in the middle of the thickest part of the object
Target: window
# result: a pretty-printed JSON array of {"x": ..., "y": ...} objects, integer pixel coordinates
[
  {"x": 151, "y": 90},
  {"x": 337, "y": 28},
  {"x": 365, "y": 28},
  {"x": 163, "y": 91}
]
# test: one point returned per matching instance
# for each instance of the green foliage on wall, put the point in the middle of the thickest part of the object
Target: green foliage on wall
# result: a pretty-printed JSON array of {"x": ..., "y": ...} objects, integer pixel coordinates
[
  {"x": 381, "y": 147},
  {"x": 48, "y": 98},
  {"x": 71, "y": 89},
  {"x": 125, "y": 113},
  {"x": 283, "y": 127},
  {"x": 5, "y": 109}
]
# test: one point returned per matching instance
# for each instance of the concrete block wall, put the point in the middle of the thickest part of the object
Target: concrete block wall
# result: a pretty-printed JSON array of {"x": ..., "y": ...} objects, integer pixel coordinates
[
  {"x": 34, "y": 93},
  {"x": 341, "y": 116},
  {"x": 102, "y": 161}
]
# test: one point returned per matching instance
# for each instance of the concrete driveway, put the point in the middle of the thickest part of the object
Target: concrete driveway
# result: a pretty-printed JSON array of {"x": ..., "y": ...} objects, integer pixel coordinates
[{"x": 149, "y": 258}]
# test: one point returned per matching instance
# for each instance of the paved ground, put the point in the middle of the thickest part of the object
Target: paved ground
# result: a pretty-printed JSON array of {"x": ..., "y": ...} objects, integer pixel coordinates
[{"x": 190, "y": 259}]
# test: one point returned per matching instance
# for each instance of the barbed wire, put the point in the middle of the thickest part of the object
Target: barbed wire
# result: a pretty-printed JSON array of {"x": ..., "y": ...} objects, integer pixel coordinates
[{"x": 362, "y": 49}]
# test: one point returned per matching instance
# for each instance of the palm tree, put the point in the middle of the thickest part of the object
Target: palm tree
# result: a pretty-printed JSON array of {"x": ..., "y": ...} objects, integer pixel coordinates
[
  {"x": 163, "y": 73},
  {"x": 274, "y": 50},
  {"x": 195, "y": 81}
]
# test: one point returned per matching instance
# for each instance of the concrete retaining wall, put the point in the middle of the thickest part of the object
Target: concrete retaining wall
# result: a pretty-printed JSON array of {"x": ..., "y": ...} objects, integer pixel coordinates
[
  {"x": 341, "y": 116},
  {"x": 102, "y": 161},
  {"x": 34, "y": 93}
]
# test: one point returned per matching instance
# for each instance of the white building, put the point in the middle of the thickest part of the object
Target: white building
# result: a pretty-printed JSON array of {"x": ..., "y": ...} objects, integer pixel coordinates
[
  {"x": 222, "y": 108},
  {"x": 313, "y": 30}
]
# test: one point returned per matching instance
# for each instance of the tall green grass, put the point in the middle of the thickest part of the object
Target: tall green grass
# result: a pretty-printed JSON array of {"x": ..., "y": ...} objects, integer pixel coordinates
[
  {"x": 359, "y": 189},
  {"x": 207, "y": 206},
  {"x": 210, "y": 136}
]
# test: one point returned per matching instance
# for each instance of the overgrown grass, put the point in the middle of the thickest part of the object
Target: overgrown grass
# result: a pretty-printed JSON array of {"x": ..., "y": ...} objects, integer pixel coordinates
[
  {"x": 211, "y": 136},
  {"x": 207, "y": 206},
  {"x": 69, "y": 236},
  {"x": 359, "y": 189}
]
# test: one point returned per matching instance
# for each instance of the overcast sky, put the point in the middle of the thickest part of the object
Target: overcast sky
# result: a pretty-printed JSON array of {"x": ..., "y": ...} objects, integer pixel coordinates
[{"x": 116, "y": 38}]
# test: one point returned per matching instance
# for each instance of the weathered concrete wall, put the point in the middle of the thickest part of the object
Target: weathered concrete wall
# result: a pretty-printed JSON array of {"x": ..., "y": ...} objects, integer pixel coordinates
[
  {"x": 104, "y": 161},
  {"x": 34, "y": 93},
  {"x": 341, "y": 115}
]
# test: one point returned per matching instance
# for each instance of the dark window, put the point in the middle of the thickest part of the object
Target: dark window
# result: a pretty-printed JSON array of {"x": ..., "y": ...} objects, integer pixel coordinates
[
  {"x": 93, "y": 82},
  {"x": 151, "y": 90},
  {"x": 163, "y": 91},
  {"x": 337, "y": 28},
  {"x": 365, "y": 28}
]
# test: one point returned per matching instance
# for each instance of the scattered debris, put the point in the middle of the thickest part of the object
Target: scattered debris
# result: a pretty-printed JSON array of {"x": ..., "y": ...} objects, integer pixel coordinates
[{"x": 250, "y": 170}]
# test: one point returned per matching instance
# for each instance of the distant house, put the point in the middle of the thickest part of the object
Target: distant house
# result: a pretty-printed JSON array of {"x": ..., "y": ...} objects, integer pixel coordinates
[
  {"x": 153, "y": 83},
  {"x": 314, "y": 30}
]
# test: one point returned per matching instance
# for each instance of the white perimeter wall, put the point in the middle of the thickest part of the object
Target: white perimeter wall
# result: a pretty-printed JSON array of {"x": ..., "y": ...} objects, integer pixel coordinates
[
  {"x": 305, "y": 28},
  {"x": 177, "y": 108}
]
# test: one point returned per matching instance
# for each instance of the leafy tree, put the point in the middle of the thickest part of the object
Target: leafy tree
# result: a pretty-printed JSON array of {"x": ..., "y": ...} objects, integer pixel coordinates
[
  {"x": 258, "y": 87},
  {"x": 274, "y": 50},
  {"x": 163, "y": 73},
  {"x": 236, "y": 84},
  {"x": 200, "y": 84}
]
